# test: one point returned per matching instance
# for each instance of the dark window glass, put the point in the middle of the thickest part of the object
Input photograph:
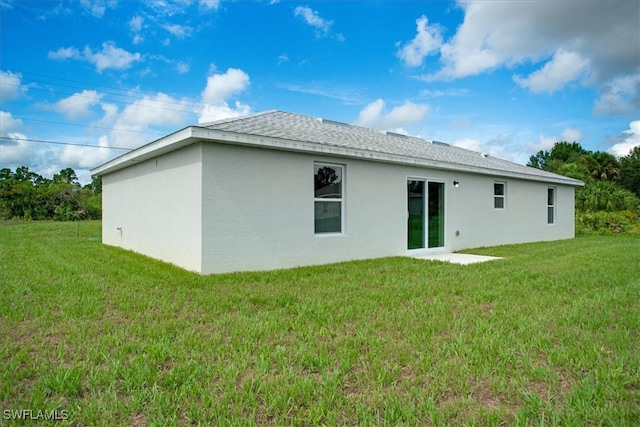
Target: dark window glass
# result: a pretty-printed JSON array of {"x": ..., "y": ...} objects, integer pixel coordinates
[
  {"x": 328, "y": 217},
  {"x": 328, "y": 182}
]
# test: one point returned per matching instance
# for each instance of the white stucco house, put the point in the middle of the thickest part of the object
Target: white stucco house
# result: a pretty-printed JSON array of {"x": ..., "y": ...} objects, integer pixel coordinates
[{"x": 277, "y": 190}]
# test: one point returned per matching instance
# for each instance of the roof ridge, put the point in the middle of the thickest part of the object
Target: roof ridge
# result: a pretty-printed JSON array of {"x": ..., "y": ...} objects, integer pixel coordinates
[{"x": 236, "y": 119}]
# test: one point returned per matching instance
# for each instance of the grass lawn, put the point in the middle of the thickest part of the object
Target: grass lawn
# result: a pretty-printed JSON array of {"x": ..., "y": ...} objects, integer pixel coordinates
[{"x": 548, "y": 336}]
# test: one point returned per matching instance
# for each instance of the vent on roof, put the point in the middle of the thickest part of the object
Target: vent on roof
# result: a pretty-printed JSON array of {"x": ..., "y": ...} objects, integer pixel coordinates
[
  {"x": 333, "y": 122},
  {"x": 485, "y": 155},
  {"x": 440, "y": 143},
  {"x": 401, "y": 135}
]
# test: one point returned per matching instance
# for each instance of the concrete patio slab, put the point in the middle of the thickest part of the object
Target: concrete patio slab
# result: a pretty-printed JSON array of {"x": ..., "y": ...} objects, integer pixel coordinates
[{"x": 454, "y": 258}]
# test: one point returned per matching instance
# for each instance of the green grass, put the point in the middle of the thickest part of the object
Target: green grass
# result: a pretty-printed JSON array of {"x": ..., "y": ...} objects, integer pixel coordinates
[{"x": 547, "y": 336}]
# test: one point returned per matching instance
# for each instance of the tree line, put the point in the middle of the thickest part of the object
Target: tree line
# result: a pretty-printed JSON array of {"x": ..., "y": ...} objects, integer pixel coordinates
[
  {"x": 609, "y": 201},
  {"x": 610, "y": 198},
  {"x": 27, "y": 195}
]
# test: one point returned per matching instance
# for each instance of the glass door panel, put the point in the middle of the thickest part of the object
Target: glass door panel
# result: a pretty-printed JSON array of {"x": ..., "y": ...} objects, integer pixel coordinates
[
  {"x": 415, "y": 217},
  {"x": 436, "y": 214}
]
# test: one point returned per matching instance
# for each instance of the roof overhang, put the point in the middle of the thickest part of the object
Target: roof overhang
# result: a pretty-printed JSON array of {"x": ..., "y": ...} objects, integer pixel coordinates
[{"x": 193, "y": 134}]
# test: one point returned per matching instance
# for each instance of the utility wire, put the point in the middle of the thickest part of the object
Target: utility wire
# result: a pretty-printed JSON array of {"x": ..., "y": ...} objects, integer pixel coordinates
[
  {"x": 182, "y": 106},
  {"x": 65, "y": 143},
  {"x": 86, "y": 126}
]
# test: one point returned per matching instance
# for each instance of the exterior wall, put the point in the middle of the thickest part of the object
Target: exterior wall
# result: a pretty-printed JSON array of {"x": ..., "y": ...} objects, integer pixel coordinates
[
  {"x": 258, "y": 210},
  {"x": 471, "y": 213},
  {"x": 154, "y": 207},
  {"x": 216, "y": 208}
]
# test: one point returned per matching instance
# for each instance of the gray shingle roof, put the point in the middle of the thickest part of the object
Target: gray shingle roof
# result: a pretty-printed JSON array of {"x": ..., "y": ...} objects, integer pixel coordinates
[{"x": 296, "y": 127}]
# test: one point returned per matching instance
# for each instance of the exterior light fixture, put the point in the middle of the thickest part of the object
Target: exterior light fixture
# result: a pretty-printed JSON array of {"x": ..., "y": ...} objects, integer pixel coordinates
[{"x": 456, "y": 184}]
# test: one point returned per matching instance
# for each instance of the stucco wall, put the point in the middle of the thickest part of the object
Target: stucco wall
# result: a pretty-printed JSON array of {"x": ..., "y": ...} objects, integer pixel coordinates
[
  {"x": 471, "y": 212},
  {"x": 216, "y": 208},
  {"x": 258, "y": 210},
  {"x": 154, "y": 207}
]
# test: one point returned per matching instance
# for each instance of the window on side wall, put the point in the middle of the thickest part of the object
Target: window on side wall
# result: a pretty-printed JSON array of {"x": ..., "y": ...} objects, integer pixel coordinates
[
  {"x": 328, "y": 182},
  {"x": 551, "y": 205},
  {"x": 499, "y": 194}
]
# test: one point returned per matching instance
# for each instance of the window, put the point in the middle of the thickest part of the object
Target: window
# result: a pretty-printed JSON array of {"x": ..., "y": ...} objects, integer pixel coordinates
[
  {"x": 498, "y": 195},
  {"x": 328, "y": 194},
  {"x": 551, "y": 205}
]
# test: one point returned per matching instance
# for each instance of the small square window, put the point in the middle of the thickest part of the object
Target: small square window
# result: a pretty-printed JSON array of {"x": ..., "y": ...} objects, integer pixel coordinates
[{"x": 499, "y": 195}]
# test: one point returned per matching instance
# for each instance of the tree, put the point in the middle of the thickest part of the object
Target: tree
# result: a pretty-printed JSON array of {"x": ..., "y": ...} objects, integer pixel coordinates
[
  {"x": 605, "y": 196},
  {"x": 630, "y": 171},
  {"x": 67, "y": 176},
  {"x": 601, "y": 165},
  {"x": 95, "y": 186},
  {"x": 561, "y": 153},
  {"x": 27, "y": 195}
]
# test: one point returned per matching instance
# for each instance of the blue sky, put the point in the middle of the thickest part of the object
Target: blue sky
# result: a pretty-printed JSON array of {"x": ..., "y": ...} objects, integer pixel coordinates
[{"x": 508, "y": 78}]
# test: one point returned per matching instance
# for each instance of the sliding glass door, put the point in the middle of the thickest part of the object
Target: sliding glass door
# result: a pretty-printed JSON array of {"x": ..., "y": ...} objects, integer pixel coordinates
[{"x": 425, "y": 219}]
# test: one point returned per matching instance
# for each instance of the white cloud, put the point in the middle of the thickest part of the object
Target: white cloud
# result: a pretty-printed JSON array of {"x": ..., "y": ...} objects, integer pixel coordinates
[
  {"x": 132, "y": 125},
  {"x": 220, "y": 87},
  {"x": 508, "y": 33},
  {"x": 111, "y": 57},
  {"x": 427, "y": 41},
  {"x": 571, "y": 135},
  {"x": 86, "y": 157},
  {"x": 214, "y": 112},
  {"x": 283, "y": 58},
  {"x": 180, "y": 31},
  {"x": 409, "y": 113},
  {"x": 135, "y": 24},
  {"x": 97, "y": 8},
  {"x": 629, "y": 139},
  {"x": 498, "y": 147},
  {"x": 9, "y": 125},
  {"x": 182, "y": 67},
  {"x": 469, "y": 144},
  {"x": 313, "y": 18},
  {"x": 563, "y": 68},
  {"x": 65, "y": 53},
  {"x": 547, "y": 142},
  {"x": 597, "y": 44},
  {"x": 78, "y": 105},
  {"x": 11, "y": 86},
  {"x": 210, "y": 4},
  {"x": 619, "y": 96},
  {"x": 14, "y": 149}
]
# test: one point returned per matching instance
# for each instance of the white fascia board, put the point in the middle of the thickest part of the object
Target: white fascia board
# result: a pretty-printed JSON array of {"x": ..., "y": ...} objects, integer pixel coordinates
[
  {"x": 169, "y": 143},
  {"x": 192, "y": 134},
  {"x": 338, "y": 151}
]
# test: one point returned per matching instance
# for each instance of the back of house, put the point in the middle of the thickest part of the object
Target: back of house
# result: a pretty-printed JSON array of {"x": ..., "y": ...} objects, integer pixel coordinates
[{"x": 278, "y": 190}]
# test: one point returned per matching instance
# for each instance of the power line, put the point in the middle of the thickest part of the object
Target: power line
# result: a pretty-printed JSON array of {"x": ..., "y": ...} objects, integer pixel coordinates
[
  {"x": 86, "y": 126},
  {"x": 180, "y": 106},
  {"x": 64, "y": 143}
]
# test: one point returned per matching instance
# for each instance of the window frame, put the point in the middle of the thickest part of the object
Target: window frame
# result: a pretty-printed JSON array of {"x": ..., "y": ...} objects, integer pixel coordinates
[
  {"x": 551, "y": 205},
  {"x": 337, "y": 200},
  {"x": 502, "y": 196}
]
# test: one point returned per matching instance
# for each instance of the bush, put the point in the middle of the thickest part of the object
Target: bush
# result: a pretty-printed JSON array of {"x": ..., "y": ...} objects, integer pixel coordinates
[
  {"x": 605, "y": 196},
  {"x": 607, "y": 223}
]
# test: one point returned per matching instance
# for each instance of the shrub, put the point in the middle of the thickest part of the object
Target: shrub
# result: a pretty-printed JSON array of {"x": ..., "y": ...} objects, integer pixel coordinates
[{"x": 607, "y": 223}]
